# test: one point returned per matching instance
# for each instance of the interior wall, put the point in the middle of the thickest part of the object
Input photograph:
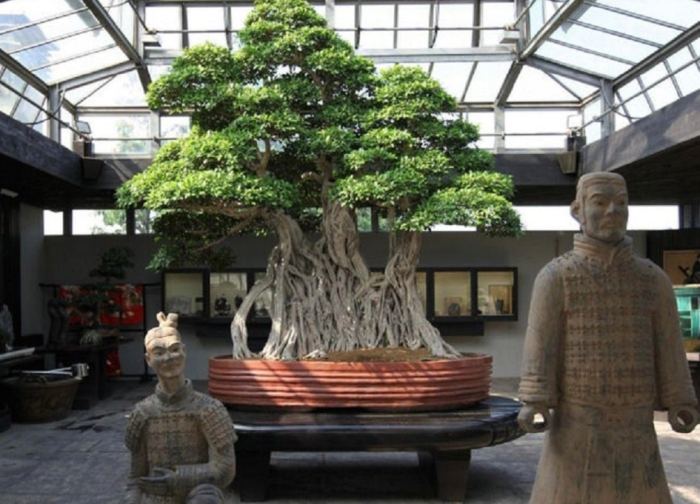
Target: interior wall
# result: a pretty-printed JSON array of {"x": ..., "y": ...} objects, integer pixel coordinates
[{"x": 69, "y": 259}]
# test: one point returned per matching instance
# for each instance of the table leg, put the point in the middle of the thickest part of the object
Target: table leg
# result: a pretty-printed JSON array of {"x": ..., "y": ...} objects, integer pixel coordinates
[
  {"x": 451, "y": 470},
  {"x": 252, "y": 471}
]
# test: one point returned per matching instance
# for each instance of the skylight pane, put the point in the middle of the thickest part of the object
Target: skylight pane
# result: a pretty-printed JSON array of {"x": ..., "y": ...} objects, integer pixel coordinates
[
  {"x": 65, "y": 48},
  {"x": 414, "y": 39},
  {"x": 413, "y": 16},
  {"x": 376, "y": 40},
  {"x": 580, "y": 88},
  {"x": 13, "y": 80},
  {"x": 238, "y": 15},
  {"x": 25, "y": 112},
  {"x": 452, "y": 77},
  {"x": 165, "y": 18},
  {"x": 540, "y": 12},
  {"x": 680, "y": 12},
  {"x": 583, "y": 60},
  {"x": 377, "y": 16},
  {"x": 31, "y": 35},
  {"x": 200, "y": 38},
  {"x": 19, "y": 12},
  {"x": 603, "y": 42},
  {"x": 590, "y": 113},
  {"x": 205, "y": 18},
  {"x": 487, "y": 80},
  {"x": 486, "y": 123},
  {"x": 495, "y": 14},
  {"x": 8, "y": 99},
  {"x": 78, "y": 94},
  {"x": 637, "y": 107},
  {"x": 123, "y": 90},
  {"x": 174, "y": 126},
  {"x": 124, "y": 16},
  {"x": 520, "y": 122},
  {"x": 453, "y": 39},
  {"x": 82, "y": 65},
  {"x": 456, "y": 15},
  {"x": 345, "y": 16},
  {"x": 535, "y": 85},
  {"x": 663, "y": 93},
  {"x": 626, "y": 24},
  {"x": 689, "y": 78}
]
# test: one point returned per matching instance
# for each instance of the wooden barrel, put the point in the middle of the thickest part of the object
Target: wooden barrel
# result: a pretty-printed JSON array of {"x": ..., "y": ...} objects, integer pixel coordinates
[{"x": 411, "y": 386}]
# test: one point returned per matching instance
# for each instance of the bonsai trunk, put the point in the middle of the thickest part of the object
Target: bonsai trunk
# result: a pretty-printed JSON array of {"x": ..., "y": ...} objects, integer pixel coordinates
[{"x": 324, "y": 298}]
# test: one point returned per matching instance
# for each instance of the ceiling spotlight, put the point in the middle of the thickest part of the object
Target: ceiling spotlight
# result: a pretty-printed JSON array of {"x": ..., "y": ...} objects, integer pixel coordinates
[{"x": 83, "y": 127}]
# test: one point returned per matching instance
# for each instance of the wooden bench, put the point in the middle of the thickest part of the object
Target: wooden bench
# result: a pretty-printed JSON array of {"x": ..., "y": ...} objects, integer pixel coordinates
[{"x": 443, "y": 440}]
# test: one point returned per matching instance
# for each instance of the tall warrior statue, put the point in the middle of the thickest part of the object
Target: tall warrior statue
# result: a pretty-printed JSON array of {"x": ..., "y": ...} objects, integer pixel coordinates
[
  {"x": 181, "y": 441},
  {"x": 603, "y": 350}
]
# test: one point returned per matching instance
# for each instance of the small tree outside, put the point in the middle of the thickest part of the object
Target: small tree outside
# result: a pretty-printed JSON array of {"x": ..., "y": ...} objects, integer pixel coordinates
[{"x": 293, "y": 133}]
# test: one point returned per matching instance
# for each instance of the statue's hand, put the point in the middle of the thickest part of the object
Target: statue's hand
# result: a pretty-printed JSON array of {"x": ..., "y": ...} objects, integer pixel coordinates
[
  {"x": 683, "y": 418},
  {"x": 160, "y": 481},
  {"x": 528, "y": 421}
]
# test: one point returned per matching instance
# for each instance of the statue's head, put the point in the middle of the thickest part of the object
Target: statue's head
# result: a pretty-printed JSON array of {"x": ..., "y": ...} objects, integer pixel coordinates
[
  {"x": 601, "y": 206},
  {"x": 165, "y": 351}
]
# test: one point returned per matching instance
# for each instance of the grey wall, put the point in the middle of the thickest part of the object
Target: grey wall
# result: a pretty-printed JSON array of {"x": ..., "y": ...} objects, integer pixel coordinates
[
  {"x": 68, "y": 260},
  {"x": 31, "y": 222}
]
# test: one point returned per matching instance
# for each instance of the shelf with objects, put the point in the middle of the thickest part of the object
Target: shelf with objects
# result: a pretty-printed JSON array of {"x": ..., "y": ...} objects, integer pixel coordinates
[
  {"x": 88, "y": 323},
  {"x": 457, "y": 300}
]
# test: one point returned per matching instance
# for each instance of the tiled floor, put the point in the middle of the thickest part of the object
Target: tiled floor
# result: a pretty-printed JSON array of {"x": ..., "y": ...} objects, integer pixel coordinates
[{"x": 82, "y": 460}]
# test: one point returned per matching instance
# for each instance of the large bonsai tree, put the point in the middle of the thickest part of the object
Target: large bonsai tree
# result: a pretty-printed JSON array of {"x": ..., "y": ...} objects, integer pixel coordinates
[{"x": 292, "y": 134}]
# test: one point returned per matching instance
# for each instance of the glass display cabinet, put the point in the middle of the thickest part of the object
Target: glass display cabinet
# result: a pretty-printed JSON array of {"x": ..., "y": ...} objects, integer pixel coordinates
[
  {"x": 183, "y": 292},
  {"x": 456, "y": 300},
  {"x": 226, "y": 292}
]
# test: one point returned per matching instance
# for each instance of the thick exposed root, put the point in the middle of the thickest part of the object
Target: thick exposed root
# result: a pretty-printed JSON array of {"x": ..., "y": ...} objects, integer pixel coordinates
[{"x": 325, "y": 300}]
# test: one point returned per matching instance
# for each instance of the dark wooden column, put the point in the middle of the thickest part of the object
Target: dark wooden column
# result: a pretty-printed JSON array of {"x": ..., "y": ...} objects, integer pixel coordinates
[{"x": 10, "y": 259}]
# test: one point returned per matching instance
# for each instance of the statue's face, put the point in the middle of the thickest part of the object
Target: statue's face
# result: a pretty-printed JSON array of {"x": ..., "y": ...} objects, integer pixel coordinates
[
  {"x": 605, "y": 211},
  {"x": 167, "y": 357}
]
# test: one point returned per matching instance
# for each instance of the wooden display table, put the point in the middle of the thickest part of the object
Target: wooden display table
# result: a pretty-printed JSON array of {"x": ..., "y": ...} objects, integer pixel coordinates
[
  {"x": 444, "y": 440},
  {"x": 95, "y": 385}
]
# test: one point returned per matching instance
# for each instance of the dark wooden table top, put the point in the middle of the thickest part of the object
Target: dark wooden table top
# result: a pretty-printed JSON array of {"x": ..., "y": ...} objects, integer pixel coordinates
[{"x": 488, "y": 423}]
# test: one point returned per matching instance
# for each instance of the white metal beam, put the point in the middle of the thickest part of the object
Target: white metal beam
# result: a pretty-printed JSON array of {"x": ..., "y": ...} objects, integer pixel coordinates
[
  {"x": 550, "y": 27},
  {"x": 565, "y": 71},
  {"x": 120, "y": 39},
  {"x": 97, "y": 75}
]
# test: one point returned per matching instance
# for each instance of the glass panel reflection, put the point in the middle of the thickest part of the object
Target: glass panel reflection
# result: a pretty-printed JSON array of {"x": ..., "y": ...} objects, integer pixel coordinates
[
  {"x": 453, "y": 294},
  {"x": 495, "y": 293},
  {"x": 184, "y": 294},
  {"x": 226, "y": 293}
]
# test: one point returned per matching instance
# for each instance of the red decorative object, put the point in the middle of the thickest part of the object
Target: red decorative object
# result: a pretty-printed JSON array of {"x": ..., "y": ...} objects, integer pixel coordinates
[
  {"x": 123, "y": 305},
  {"x": 410, "y": 386}
]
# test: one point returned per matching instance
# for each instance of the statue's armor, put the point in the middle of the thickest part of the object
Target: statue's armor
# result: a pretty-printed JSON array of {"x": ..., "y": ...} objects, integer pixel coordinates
[
  {"x": 189, "y": 433},
  {"x": 608, "y": 349},
  {"x": 602, "y": 349}
]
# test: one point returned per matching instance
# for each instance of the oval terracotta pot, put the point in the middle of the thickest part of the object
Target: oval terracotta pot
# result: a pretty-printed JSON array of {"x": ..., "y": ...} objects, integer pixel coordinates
[{"x": 414, "y": 386}]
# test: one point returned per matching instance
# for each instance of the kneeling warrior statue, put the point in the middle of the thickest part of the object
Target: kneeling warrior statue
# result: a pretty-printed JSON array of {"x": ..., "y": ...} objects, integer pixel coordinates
[{"x": 181, "y": 441}]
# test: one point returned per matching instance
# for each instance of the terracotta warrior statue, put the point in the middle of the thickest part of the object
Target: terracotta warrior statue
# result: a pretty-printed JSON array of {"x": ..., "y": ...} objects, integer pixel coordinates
[
  {"x": 181, "y": 441},
  {"x": 603, "y": 350}
]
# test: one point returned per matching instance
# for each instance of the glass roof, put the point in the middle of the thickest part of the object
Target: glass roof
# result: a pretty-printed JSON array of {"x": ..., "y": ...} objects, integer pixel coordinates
[{"x": 550, "y": 65}]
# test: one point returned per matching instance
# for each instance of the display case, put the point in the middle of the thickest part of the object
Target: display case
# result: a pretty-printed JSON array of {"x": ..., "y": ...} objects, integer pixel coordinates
[
  {"x": 183, "y": 292},
  {"x": 495, "y": 293},
  {"x": 226, "y": 292},
  {"x": 456, "y": 300}
]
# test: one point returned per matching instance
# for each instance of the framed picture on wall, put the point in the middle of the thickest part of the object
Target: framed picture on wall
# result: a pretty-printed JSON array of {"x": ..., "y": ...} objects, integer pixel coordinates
[{"x": 682, "y": 266}]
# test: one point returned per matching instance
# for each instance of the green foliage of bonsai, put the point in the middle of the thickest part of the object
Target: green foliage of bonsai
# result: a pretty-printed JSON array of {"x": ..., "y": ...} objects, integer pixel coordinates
[
  {"x": 113, "y": 264},
  {"x": 293, "y": 132}
]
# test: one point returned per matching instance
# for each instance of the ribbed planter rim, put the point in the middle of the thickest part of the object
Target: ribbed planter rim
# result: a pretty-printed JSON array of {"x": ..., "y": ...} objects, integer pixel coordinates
[{"x": 402, "y": 385}]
